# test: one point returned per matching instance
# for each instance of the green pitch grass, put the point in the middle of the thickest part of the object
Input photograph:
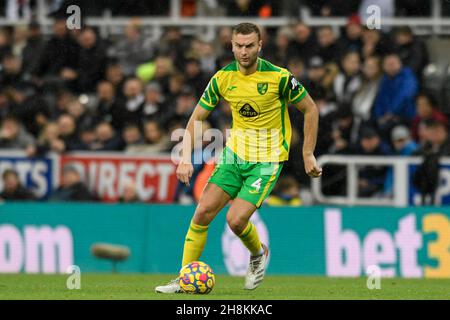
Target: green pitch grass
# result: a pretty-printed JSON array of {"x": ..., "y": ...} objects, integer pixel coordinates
[{"x": 141, "y": 286}]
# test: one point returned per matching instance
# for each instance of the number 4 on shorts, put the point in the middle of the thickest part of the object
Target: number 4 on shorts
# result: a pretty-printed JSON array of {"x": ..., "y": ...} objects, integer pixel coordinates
[{"x": 257, "y": 184}]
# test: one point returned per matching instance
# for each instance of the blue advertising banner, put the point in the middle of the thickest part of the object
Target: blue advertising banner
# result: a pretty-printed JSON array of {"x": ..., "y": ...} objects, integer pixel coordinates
[{"x": 38, "y": 174}]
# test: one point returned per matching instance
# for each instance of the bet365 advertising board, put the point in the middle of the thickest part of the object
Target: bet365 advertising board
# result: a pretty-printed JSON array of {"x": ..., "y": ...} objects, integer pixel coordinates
[{"x": 331, "y": 241}]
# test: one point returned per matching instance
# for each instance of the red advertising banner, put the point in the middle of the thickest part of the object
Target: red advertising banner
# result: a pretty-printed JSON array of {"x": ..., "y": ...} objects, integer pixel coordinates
[{"x": 108, "y": 173}]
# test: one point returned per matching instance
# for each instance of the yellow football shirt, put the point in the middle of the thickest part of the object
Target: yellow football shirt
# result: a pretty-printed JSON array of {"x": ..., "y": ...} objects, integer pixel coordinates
[{"x": 261, "y": 128}]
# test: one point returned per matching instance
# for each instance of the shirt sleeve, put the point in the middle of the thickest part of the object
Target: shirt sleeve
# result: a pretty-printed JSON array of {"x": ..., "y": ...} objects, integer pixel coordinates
[
  {"x": 211, "y": 95},
  {"x": 293, "y": 91}
]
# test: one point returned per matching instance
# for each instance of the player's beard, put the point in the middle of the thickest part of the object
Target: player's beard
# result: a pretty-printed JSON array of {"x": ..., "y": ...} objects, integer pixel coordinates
[{"x": 249, "y": 63}]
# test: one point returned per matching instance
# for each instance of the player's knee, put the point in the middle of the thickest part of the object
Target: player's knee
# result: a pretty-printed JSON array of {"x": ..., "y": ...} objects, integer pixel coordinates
[
  {"x": 236, "y": 224},
  {"x": 204, "y": 214}
]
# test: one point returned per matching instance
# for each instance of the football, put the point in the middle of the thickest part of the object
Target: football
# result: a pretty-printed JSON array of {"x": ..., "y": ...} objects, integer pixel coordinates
[{"x": 197, "y": 278}]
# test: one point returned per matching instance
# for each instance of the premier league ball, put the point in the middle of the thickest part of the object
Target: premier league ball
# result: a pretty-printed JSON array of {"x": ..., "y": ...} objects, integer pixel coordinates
[{"x": 197, "y": 278}]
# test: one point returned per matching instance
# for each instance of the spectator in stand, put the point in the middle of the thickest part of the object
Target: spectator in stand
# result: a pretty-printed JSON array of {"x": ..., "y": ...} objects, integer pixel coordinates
[
  {"x": 435, "y": 139},
  {"x": 60, "y": 55},
  {"x": 195, "y": 76},
  {"x": 317, "y": 79},
  {"x": 426, "y": 108},
  {"x": 222, "y": 44},
  {"x": 107, "y": 139},
  {"x": 129, "y": 109},
  {"x": 207, "y": 59},
  {"x": 279, "y": 55},
  {"x": 344, "y": 132},
  {"x": 352, "y": 37},
  {"x": 371, "y": 178},
  {"x": 164, "y": 69},
  {"x": 154, "y": 101},
  {"x": 374, "y": 43},
  {"x": 185, "y": 103},
  {"x": 72, "y": 188},
  {"x": 19, "y": 39},
  {"x": 403, "y": 145},
  {"x": 285, "y": 193},
  {"x": 13, "y": 135},
  {"x": 412, "y": 51},
  {"x": 349, "y": 80},
  {"x": 46, "y": 139},
  {"x": 5, "y": 43},
  {"x": 328, "y": 49},
  {"x": 115, "y": 75},
  {"x": 92, "y": 60},
  {"x": 79, "y": 113},
  {"x": 13, "y": 190},
  {"x": 32, "y": 52},
  {"x": 131, "y": 135},
  {"x": 364, "y": 98},
  {"x": 11, "y": 74},
  {"x": 297, "y": 68},
  {"x": 155, "y": 140},
  {"x": 303, "y": 45},
  {"x": 31, "y": 108},
  {"x": 88, "y": 136},
  {"x": 134, "y": 49},
  {"x": 394, "y": 103},
  {"x": 129, "y": 194},
  {"x": 68, "y": 135},
  {"x": 106, "y": 107},
  {"x": 402, "y": 142},
  {"x": 172, "y": 46}
]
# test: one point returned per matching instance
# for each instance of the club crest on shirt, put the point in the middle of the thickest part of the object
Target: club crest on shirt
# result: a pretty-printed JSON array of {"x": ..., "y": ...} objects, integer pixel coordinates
[{"x": 262, "y": 87}]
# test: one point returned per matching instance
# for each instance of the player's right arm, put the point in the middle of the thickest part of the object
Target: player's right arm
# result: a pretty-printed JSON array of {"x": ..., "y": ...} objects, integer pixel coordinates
[
  {"x": 206, "y": 104},
  {"x": 185, "y": 167}
]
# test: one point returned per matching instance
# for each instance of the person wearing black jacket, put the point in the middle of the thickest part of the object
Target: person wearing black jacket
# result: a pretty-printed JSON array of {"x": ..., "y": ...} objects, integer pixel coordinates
[
  {"x": 13, "y": 189},
  {"x": 92, "y": 60},
  {"x": 412, "y": 51},
  {"x": 60, "y": 54},
  {"x": 72, "y": 188}
]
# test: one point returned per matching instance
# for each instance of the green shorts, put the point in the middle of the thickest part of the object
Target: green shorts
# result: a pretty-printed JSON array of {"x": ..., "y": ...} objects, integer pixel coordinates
[{"x": 251, "y": 181}]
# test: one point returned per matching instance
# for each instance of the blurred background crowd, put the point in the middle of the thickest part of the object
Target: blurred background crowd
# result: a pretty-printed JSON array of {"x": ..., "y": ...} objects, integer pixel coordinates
[{"x": 76, "y": 91}]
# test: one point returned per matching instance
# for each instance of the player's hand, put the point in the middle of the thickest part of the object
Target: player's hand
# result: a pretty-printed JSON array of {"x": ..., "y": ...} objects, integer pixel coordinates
[
  {"x": 311, "y": 167},
  {"x": 184, "y": 172}
]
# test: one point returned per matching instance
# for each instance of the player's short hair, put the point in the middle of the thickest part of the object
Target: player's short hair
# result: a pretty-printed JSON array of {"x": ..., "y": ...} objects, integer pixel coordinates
[{"x": 247, "y": 28}]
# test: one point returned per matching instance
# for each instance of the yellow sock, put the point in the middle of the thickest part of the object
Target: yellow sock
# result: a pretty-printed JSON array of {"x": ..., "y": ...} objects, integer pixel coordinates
[
  {"x": 250, "y": 239},
  {"x": 194, "y": 243}
]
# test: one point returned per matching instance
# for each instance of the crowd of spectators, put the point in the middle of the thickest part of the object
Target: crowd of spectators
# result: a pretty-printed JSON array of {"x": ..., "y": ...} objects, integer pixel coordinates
[{"x": 77, "y": 91}]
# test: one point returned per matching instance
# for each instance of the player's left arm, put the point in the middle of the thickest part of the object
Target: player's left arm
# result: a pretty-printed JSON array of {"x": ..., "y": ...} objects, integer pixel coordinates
[{"x": 310, "y": 128}]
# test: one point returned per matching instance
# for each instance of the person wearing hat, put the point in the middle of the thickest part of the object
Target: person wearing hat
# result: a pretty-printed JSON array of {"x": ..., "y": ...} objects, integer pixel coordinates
[
  {"x": 315, "y": 77},
  {"x": 352, "y": 37},
  {"x": 402, "y": 142},
  {"x": 403, "y": 145}
]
